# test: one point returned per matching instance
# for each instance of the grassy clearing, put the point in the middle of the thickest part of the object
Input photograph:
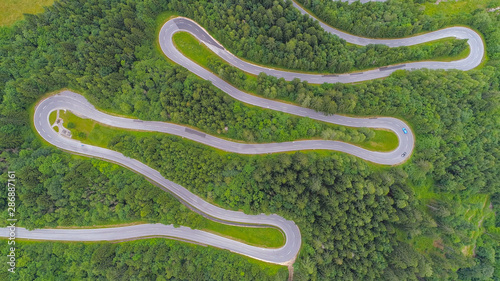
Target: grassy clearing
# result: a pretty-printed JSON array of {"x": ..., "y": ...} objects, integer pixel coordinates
[
  {"x": 52, "y": 117},
  {"x": 80, "y": 128},
  {"x": 13, "y": 10},
  {"x": 91, "y": 132},
  {"x": 474, "y": 209},
  {"x": 192, "y": 48},
  {"x": 383, "y": 141},
  {"x": 250, "y": 235},
  {"x": 424, "y": 243},
  {"x": 457, "y": 7},
  {"x": 80, "y": 124}
]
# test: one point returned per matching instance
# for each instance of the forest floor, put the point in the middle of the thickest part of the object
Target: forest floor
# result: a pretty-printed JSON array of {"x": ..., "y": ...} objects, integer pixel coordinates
[
  {"x": 458, "y": 6},
  {"x": 475, "y": 209}
]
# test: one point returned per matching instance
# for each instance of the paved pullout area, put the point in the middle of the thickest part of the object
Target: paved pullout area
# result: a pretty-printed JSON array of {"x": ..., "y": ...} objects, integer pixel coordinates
[{"x": 286, "y": 254}]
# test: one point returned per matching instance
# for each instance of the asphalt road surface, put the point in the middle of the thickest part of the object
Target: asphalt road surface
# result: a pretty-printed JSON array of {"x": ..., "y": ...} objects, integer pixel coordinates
[{"x": 285, "y": 255}]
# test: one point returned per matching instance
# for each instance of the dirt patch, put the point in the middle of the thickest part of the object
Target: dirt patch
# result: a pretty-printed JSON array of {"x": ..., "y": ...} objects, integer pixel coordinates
[
  {"x": 438, "y": 244},
  {"x": 466, "y": 250}
]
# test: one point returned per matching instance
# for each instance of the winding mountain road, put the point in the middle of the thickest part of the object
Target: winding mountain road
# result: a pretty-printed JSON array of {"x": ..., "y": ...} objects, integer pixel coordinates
[
  {"x": 183, "y": 24},
  {"x": 286, "y": 254}
]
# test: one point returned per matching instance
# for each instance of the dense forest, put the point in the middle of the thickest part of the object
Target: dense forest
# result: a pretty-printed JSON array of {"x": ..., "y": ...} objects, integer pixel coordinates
[{"x": 358, "y": 221}]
